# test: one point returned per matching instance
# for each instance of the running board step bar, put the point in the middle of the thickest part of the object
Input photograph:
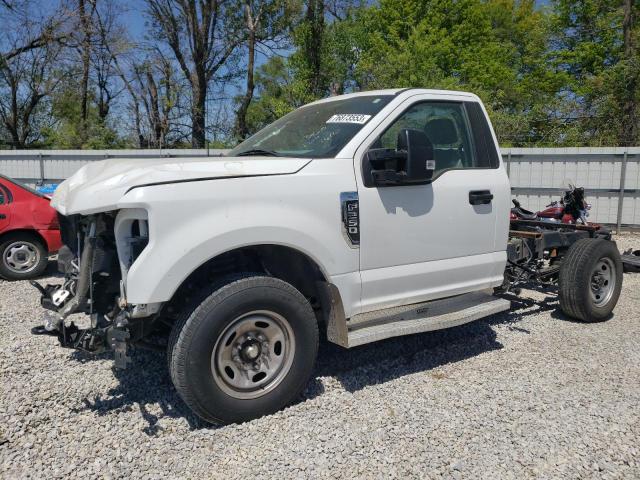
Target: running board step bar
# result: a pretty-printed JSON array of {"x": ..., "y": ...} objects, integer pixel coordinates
[{"x": 421, "y": 317}]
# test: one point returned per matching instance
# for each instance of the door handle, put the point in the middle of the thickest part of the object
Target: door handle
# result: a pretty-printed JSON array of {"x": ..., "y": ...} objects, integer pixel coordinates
[
  {"x": 480, "y": 197},
  {"x": 2, "y": 216}
]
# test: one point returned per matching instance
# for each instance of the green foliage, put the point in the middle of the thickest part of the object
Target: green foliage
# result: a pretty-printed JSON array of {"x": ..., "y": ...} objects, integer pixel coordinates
[
  {"x": 68, "y": 131},
  {"x": 548, "y": 76},
  {"x": 495, "y": 49},
  {"x": 588, "y": 35},
  {"x": 557, "y": 73},
  {"x": 278, "y": 92}
]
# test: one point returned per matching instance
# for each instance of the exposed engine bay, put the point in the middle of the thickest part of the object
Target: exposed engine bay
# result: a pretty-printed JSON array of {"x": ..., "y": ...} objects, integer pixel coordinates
[{"x": 98, "y": 251}]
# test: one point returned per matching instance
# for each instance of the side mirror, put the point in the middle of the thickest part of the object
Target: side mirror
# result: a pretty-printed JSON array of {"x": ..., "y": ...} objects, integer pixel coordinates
[
  {"x": 411, "y": 163},
  {"x": 420, "y": 160}
]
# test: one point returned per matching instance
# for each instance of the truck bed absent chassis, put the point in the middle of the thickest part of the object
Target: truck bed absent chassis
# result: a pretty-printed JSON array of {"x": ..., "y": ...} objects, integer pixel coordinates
[
  {"x": 536, "y": 248},
  {"x": 554, "y": 234}
]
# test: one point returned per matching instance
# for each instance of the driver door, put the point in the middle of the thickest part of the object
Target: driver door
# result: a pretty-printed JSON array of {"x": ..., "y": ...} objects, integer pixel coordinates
[{"x": 423, "y": 242}]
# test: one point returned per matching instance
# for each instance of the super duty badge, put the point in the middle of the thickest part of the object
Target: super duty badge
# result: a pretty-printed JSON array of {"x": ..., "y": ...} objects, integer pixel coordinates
[{"x": 350, "y": 217}]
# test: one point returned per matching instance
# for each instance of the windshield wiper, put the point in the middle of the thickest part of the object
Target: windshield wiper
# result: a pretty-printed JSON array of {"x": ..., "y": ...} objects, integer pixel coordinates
[{"x": 258, "y": 151}]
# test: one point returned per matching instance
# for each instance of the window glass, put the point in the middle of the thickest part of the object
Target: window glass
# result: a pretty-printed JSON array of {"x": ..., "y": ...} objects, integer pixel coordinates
[
  {"x": 21, "y": 185},
  {"x": 314, "y": 131},
  {"x": 2, "y": 197},
  {"x": 447, "y": 128}
]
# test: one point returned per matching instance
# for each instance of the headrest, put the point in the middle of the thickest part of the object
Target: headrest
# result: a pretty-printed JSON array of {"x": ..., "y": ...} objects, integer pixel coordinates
[{"x": 441, "y": 131}]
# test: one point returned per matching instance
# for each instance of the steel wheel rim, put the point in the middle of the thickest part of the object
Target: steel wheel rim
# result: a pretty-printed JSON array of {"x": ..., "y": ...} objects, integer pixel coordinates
[
  {"x": 602, "y": 282},
  {"x": 253, "y": 354},
  {"x": 21, "y": 257}
]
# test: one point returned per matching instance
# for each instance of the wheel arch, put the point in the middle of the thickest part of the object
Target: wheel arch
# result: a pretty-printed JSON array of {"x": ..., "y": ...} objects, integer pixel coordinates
[
  {"x": 27, "y": 231},
  {"x": 284, "y": 262}
]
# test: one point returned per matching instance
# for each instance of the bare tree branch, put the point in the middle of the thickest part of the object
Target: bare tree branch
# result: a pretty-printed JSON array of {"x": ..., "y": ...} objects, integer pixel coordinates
[{"x": 202, "y": 35}]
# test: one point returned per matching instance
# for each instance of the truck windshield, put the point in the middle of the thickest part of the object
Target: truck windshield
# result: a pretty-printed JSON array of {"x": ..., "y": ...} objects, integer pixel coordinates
[{"x": 314, "y": 131}]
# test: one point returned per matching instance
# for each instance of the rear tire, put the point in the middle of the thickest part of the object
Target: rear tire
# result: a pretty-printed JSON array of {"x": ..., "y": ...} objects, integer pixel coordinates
[
  {"x": 22, "y": 256},
  {"x": 590, "y": 280},
  {"x": 246, "y": 351}
]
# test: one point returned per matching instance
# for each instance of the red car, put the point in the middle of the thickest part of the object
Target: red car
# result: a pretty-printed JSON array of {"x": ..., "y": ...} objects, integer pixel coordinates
[{"x": 29, "y": 231}]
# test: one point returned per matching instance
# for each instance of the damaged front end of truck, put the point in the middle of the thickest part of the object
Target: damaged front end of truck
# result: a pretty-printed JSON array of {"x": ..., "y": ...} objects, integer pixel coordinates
[{"x": 97, "y": 253}]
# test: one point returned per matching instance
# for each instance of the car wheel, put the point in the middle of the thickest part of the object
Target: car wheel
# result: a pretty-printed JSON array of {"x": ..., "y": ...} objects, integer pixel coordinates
[
  {"x": 23, "y": 256},
  {"x": 247, "y": 350}
]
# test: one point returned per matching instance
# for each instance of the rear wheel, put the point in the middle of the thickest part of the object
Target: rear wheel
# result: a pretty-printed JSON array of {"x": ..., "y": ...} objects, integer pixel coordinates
[
  {"x": 590, "y": 280},
  {"x": 247, "y": 350},
  {"x": 23, "y": 256}
]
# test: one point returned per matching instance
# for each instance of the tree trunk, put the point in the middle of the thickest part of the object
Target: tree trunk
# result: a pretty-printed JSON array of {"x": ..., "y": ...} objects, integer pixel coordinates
[
  {"x": 11, "y": 123},
  {"x": 629, "y": 132},
  {"x": 198, "y": 137},
  {"x": 202, "y": 37},
  {"x": 155, "y": 109},
  {"x": 242, "y": 130},
  {"x": 136, "y": 112},
  {"x": 103, "y": 106},
  {"x": 15, "y": 137},
  {"x": 168, "y": 95},
  {"x": 86, "y": 52},
  {"x": 313, "y": 50}
]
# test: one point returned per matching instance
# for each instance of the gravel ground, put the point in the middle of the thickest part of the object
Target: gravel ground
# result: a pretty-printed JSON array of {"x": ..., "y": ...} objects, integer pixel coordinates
[{"x": 528, "y": 393}]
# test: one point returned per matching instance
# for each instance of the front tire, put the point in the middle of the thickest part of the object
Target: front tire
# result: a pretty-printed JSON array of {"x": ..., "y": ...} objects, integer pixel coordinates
[
  {"x": 590, "y": 280},
  {"x": 247, "y": 350},
  {"x": 22, "y": 256}
]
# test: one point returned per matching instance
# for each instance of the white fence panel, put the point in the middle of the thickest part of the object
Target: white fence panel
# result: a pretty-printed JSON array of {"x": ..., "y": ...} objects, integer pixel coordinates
[
  {"x": 52, "y": 166},
  {"x": 538, "y": 175}
]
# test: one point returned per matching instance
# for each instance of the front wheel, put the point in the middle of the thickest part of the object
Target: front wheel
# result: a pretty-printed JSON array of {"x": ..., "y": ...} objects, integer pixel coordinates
[
  {"x": 247, "y": 350},
  {"x": 590, "y": 280}
]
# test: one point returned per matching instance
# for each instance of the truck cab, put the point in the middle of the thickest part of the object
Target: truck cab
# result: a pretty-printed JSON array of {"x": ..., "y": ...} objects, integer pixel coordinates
[
  {"x": 368, "y": 215},
  {"x": 444, "y": 236}
]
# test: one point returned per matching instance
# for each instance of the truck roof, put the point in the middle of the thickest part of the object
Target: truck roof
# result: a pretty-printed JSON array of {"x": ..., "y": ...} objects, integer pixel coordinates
[{"x": 399, "y": 91}]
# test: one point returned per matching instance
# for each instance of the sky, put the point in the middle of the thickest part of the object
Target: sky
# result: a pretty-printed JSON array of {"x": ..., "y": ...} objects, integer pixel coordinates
[{"x": 135, "y": 21}]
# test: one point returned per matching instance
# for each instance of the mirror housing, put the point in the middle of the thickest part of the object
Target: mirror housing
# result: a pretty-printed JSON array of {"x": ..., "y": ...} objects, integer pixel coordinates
[{"x": 411, "y": 163}]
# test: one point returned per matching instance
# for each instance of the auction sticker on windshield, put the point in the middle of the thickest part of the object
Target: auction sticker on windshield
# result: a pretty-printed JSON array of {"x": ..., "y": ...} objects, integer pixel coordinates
[{"x": 349, "y": 118}]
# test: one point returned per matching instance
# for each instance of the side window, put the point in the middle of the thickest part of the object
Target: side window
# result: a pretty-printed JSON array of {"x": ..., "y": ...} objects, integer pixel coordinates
[
  {"x": 3, "y": 198},
  {"x": 446, "y": 125}
]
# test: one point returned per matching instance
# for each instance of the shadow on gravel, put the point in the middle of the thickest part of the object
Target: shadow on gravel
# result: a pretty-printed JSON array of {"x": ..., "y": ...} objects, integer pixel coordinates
[
  {"x": 145, "y": 385},
  {"x": 390, "y": 359},
  {"x": 387, "y": 360},
  {"x": 522, "y": 307},
  {"x": 559, "y": 315}
]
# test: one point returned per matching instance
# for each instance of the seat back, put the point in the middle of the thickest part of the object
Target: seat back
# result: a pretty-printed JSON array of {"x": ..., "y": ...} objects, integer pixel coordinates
[{"x": 446, "y": 142}]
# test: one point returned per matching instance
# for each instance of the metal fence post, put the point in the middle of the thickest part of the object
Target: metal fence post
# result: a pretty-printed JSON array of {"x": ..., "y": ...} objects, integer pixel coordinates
[
  {"x": 509, "y": 163},
  {"x": 41, "y": 162},
  {"x": 623, "y": 174}
]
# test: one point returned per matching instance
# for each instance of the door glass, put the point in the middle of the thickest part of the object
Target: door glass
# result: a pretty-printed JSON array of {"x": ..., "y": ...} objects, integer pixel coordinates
[
  {"x": 2, "y": 197},
  {"x": 447, "y": 128}
]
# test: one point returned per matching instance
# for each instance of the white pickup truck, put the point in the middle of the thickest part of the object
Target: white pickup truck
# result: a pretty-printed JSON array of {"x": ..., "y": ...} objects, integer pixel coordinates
[{"x": 366, "y": 216}]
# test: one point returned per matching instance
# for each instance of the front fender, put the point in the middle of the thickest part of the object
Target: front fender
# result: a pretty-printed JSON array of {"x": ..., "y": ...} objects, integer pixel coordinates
[
  {"x": 155, "y": 276},
  {"x": 191, "y": 223}
]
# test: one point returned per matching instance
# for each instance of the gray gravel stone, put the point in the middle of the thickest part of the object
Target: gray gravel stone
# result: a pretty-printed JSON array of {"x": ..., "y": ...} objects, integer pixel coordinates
[{"x": 528, "y": 393}]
